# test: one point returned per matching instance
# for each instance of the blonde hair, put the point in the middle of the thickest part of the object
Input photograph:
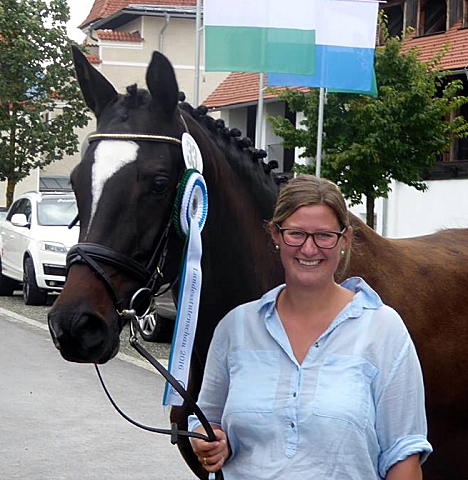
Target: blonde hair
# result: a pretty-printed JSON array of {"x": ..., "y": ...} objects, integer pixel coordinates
[
  {"x": 305, "y": 190},
  {"x": 309, "y": 190}
]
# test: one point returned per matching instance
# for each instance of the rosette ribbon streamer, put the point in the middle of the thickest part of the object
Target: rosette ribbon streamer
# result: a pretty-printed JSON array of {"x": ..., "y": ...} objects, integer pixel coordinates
[{"x": 191, "y": 209}]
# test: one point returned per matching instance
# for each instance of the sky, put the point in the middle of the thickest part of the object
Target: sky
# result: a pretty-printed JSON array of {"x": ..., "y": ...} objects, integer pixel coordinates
[{"x": 79, "y": 10}]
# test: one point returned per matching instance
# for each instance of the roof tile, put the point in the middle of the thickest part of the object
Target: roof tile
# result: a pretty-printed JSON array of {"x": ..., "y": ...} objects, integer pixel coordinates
[
  {"x": 430, "y": 45},
  {"x": 105, "y": 8},
  {"x": 239, "y": 88},
  {"x": 119, "y": 36}
]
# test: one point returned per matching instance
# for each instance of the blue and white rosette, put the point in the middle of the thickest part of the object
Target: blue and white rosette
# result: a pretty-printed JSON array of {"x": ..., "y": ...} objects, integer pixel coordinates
[{"x": 193, "y": 213}]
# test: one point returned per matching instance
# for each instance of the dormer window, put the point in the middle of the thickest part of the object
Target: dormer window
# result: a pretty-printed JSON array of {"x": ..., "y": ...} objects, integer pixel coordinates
[
  {"x": 432, "y": 16},
  {"x": 394, "y": 11}
]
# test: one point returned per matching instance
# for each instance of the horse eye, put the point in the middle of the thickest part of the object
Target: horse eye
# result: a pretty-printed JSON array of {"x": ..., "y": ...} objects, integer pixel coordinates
[{"x": 160, "y": 184}]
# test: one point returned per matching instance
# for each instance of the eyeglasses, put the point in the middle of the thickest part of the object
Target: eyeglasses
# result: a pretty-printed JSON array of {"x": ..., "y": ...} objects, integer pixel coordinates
[{"x": 296, "y": 238}]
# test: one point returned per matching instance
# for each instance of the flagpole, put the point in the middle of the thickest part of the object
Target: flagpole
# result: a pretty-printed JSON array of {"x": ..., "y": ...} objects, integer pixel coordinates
[
  {"x": 259, "y": 129},
  {"x": 197, "y": 54},
  {"x": 318, "y": 160}
]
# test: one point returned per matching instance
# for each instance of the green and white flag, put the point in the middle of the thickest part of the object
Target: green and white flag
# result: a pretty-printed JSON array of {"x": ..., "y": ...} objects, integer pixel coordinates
[{"x": 260, "y": 36}]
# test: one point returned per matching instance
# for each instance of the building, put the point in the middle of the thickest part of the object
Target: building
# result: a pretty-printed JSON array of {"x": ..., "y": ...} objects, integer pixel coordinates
[
  {"x": 121, "y": 36},
  {"x": 436, "y": 23}
]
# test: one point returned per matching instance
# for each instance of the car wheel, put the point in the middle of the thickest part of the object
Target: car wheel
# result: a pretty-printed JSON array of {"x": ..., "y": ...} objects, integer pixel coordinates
[
  {"x": 32, "y": 294},
  {"x": 7, "y": 285},
  {"x": 155, "y": 328}
]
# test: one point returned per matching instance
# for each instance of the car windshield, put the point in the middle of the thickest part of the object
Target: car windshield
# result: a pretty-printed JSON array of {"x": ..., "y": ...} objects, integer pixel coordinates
[{"x": 56, "y": 211}]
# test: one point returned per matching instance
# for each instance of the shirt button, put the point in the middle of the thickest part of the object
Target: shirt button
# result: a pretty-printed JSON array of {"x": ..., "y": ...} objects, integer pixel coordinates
[
  {"x": 316, "y": 345},
  {"x": 294, "y": 394},
  {"x": 293, "y": 425}
]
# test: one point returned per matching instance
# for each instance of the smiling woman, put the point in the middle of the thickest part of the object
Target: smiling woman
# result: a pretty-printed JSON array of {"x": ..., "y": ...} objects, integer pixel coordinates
[{"x": 328, "y": 361}]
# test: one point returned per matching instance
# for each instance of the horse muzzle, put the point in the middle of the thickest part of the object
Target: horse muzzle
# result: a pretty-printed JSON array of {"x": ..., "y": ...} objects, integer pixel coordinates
[{"x": 83, "y": 338}]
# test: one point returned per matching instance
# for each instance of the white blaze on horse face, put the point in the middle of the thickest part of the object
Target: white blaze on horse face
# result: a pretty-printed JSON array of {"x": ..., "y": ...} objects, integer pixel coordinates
[{"x": 110, "y": 156}]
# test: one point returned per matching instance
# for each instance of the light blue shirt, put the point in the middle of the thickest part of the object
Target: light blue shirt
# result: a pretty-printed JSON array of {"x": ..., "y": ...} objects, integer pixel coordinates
[{"x": 351, "y": 410}]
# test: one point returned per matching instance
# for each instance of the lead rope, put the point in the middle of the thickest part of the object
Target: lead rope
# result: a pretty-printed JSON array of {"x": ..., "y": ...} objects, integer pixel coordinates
[{"x": 174, "y": 431}]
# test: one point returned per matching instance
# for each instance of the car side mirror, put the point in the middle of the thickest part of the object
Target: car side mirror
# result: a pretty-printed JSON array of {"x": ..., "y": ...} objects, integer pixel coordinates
[{"x": 19, "y": 220}]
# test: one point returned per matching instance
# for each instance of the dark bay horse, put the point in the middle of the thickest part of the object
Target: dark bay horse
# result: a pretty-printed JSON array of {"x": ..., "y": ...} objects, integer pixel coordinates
[
  {"x": 426, "y": 279},
  {"x": 126, "y": 186},
  {"x": 125, "y": 191}
]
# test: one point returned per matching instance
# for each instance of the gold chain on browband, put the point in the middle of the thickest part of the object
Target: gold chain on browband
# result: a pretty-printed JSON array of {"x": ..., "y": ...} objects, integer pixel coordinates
[{"x": 133, "y": 136}]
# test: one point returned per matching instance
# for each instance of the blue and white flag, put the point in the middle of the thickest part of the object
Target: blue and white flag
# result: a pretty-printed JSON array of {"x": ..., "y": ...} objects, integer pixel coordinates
[{"x": 344, "y": 49}]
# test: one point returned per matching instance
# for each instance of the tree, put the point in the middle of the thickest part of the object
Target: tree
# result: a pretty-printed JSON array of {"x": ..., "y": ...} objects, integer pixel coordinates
[
  {"x": 370, "y": 141},
  {"x": 40, "y": 101}
]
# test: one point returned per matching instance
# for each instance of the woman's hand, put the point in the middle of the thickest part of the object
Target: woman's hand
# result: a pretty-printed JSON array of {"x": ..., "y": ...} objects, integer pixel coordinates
[{"x": 212, "y": 455}]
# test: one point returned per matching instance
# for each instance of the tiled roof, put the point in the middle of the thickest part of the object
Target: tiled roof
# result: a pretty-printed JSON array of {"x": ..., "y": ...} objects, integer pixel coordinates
[
  {"x": 93, "y": 59},
  {"x": 118, "y": 36},
  {"x": 105, "y": 8},
  {"x": 236, "y": 88},
  {"x": 430, "y": 45},
  {"x": 241, "y": 88}
]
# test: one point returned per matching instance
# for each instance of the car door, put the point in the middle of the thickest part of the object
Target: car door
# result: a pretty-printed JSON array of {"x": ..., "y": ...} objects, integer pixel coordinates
[{"x": 15, "y": 240}]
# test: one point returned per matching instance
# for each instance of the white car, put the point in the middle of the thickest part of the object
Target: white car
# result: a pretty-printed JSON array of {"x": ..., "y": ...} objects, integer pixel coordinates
[{"x": 35, "y": 240}]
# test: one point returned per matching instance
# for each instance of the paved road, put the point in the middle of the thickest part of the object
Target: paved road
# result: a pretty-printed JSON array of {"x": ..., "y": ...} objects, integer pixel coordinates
[{"x": 56, "y": 423}]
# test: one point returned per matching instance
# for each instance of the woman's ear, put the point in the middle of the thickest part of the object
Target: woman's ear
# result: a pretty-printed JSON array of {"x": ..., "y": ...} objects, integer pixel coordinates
[
  {"x": 274, "y": 232},
  {"x": 347, "y": 236}
]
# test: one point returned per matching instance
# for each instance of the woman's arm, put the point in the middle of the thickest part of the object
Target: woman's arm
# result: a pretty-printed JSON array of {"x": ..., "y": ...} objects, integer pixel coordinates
[{"x": 407, "y": 469}]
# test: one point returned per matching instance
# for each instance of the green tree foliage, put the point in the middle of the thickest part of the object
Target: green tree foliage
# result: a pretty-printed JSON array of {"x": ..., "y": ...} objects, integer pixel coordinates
[
  {"x": 370, "y": 141},
  {"x": 40, "y": 102}
]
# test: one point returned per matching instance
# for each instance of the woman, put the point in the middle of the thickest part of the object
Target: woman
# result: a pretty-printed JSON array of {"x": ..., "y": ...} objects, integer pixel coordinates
[{"x": 314, "y": 379}]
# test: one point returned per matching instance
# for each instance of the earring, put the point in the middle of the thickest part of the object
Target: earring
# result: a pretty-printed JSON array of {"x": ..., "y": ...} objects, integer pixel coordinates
[
  {"x": 342, "y": 252},
  {"x": 277, "y": 247}
]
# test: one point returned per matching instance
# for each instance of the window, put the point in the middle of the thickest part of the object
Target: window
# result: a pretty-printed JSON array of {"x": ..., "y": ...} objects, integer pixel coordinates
[
  {"x": 22, "y": 205},
  {"x": 462, "y": 143},
  {"x": 432, "y": 16},
  {"x": 394, "y": 12}
]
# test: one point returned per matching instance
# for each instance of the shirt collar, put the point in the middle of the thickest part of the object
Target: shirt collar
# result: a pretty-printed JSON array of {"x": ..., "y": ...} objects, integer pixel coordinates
[{"x": 365, "y": 297}]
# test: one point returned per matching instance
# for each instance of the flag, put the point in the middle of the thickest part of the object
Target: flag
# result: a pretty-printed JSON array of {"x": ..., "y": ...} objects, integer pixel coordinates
[
  {"x": 345, "y": 45},
  {"x": 260, "y": 36}
]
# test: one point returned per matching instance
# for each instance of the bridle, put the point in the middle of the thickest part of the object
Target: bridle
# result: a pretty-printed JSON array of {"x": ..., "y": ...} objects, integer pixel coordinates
[{"x": 93, "y": 255}]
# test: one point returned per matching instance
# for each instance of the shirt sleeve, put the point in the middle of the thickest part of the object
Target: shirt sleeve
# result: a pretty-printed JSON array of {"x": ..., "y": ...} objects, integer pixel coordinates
[
  {"x": 215, "y": 383},
  {"x": 400, "y": 412}
]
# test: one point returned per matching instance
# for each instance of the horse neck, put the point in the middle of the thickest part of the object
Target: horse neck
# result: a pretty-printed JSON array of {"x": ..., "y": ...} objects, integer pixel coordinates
[
  {"x": 239, "y": 259},
  {"x": 369, "y": 249}
]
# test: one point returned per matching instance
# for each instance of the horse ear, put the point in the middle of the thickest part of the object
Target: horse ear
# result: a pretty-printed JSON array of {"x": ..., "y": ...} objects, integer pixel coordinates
[
  {"x": 97, "y": 90},
  {"x": 162, "y": 83}
]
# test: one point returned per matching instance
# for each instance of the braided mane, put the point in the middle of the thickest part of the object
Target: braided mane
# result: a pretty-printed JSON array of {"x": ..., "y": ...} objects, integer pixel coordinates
[{"x": 245, "y": 160}]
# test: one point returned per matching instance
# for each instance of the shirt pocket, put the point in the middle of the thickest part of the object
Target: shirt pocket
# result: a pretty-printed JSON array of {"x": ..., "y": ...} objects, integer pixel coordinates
[
  {"x": 254, "y": 376},
  {"x": 343, "y": 389}
]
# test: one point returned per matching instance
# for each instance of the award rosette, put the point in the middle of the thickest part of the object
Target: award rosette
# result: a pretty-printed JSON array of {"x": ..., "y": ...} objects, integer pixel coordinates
[{"x": 191, "y": 209}]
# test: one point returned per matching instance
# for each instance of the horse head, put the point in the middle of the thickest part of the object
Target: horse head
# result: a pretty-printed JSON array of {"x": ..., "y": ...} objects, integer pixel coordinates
[{"x": 125, "y": 187}]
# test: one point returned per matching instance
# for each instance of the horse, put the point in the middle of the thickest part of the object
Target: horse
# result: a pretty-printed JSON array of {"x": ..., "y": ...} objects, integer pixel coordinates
[
  {"x": 125, "y": 189},
  {"x": 125, "y": 204},
  {"x": 424, "y": 278}
]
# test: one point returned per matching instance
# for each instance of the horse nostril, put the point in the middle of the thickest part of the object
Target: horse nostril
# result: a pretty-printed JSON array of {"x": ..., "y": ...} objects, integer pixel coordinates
[
  {"x": 53, "y": 333},
  {"x": 90, "y": 330}
]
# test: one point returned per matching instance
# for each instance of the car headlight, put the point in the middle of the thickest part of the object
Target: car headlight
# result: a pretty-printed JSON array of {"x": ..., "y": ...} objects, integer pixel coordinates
[{"x": 54, "y": 247}]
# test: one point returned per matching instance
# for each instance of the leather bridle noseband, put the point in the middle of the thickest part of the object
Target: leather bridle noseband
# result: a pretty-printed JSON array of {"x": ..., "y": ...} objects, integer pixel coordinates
[{"x": 93, "y": 254}]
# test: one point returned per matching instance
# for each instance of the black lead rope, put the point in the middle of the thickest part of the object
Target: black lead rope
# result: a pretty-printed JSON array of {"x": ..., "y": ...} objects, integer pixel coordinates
[{"x": 174, "y": 431}]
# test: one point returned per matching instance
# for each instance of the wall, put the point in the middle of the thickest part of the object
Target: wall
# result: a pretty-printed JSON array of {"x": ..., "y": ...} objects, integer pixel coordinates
[{"x": 409, "y": 213}]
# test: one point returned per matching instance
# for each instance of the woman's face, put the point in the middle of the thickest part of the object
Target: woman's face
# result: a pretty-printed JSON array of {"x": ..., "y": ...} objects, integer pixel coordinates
[{"x": 309, "y": 265}]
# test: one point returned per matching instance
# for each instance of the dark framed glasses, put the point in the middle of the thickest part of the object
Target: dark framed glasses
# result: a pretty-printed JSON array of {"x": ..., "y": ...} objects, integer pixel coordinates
[{"x": 296, "y": 238}]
